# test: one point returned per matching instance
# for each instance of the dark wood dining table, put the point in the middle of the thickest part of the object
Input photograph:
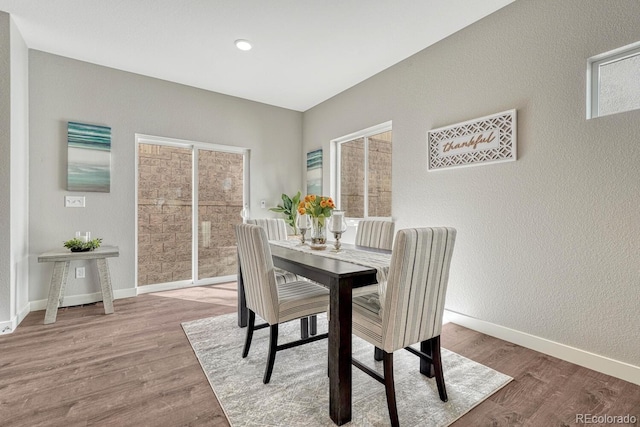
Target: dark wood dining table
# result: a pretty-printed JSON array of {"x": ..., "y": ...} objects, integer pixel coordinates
[{"x": 340, "y": 277}]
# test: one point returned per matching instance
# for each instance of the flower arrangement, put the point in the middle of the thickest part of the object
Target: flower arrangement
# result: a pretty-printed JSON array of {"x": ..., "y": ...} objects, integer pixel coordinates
[
  {"x": 316, "y": 206},
  {"x": 319, "y": 209}
]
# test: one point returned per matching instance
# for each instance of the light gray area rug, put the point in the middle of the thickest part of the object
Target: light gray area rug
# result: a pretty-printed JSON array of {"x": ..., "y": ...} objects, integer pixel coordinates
[{"x": 298, "y": 394}]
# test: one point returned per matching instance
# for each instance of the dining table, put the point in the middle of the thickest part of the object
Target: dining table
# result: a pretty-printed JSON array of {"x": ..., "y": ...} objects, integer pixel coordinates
[{"x": 340, "y": 272}]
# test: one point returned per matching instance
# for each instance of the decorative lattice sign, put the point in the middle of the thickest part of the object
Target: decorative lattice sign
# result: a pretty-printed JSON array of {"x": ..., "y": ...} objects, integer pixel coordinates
[{"x": 489, "y": 139}]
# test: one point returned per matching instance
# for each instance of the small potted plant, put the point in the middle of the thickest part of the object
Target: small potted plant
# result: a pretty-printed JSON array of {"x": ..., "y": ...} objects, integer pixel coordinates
[
  {"x": 78, "y": 245},
  {"x": 289, "y": 209}
]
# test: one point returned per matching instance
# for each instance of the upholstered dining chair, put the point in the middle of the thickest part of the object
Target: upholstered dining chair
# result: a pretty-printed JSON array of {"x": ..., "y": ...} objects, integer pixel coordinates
[
  {"x": 410, "y": 309},
  {"x": 275, "y": 303},
  {"x": 276, "y": 229},
  {"x": 377, "y": 234}
]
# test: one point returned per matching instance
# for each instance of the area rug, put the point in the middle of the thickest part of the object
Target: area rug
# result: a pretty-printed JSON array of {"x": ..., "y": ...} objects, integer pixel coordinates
[{"x": 298, "y": 394}]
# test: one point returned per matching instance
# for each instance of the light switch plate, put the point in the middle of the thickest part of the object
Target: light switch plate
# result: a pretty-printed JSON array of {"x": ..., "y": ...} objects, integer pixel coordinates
[{"x": 74, "y": 201}]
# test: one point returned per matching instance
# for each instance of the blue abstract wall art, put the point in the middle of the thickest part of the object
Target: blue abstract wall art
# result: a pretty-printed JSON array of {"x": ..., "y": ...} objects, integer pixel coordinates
[{"x": 89, "y": 157}]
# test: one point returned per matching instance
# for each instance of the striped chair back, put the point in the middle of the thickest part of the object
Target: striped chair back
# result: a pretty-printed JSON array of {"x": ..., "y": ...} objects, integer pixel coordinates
[
  {"x": 260, "y": 288},
  {"x": 375, "y": 234},
  {"x": 276, "y": 228},
  {"x": 413, "y": 303}
]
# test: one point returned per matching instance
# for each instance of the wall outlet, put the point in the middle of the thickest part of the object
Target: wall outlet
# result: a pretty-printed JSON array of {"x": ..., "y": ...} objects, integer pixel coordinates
[
  {"x": 74, "y": 201},
  {"x": 79, "y": 272},
  {"x": 263, "y": 204}
]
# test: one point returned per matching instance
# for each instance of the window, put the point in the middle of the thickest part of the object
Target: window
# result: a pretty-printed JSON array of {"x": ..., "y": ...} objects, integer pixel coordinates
[
  {"x": 613, "y": 80},
  {"x": 362, "y": 172}
]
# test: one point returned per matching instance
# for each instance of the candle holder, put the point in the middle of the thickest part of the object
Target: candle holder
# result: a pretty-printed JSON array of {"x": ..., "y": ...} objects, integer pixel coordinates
[
  {"x": 336, "y": 245},
  {"x": 303, "y": 223},
  {"x": 338, "y": 226},
  {"x": 84, "y": 237}
]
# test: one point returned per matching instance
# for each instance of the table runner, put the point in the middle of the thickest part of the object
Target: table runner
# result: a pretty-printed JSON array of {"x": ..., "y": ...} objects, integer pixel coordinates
[{"x": 379, "y": 261}]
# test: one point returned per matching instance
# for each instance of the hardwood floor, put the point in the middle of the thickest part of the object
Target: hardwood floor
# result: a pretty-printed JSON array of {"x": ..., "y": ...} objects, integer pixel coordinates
[{"x": 136, "y": 368}]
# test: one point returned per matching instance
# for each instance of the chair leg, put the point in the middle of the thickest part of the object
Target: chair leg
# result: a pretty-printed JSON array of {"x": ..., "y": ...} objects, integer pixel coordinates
[
  {"x": 250, "y": 326},
  {"x": 389, "y": 387},
  {"x": 271, "y": 358},
  {"x": 437, "y": 364},
  {"x": 377, "y": 354},
  {"x": 304, "y": 328},
  {"x": 426, "y": 367}
]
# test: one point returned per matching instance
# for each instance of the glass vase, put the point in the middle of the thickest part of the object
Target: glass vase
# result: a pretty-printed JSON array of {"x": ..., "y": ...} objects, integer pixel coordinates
[{"x": 318, "y": 233}]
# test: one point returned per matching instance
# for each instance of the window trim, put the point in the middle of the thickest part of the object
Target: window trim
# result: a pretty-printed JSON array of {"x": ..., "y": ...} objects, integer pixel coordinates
[
  {"x": 335, "y": 162},
  {"x": 593, "y": 74}
]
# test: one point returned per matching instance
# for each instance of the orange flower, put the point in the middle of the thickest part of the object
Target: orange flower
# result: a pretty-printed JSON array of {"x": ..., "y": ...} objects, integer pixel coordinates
[
  {"x": 317, "y": 206},
  {"x": 302, "y": 210}
]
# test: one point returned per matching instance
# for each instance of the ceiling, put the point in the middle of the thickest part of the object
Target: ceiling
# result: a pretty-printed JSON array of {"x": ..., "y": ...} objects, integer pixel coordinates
[{"x": 304, "y": 51}]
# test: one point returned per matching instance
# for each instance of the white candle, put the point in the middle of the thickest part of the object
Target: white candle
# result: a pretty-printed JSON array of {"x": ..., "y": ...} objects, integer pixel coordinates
[{"x": 336, "y": 221}]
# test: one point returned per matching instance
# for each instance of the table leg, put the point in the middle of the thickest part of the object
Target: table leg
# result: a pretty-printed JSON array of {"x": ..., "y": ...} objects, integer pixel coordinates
[
  {"x": 105, "y": 285},
  {"x": 242, "y": 302},
  {"x": 340, "y": 351},
  {"x": 56, "y": 290}
]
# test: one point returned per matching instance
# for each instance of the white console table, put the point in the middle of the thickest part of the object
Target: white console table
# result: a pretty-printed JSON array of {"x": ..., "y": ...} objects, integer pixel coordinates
[{"x": 62, "y": 258}]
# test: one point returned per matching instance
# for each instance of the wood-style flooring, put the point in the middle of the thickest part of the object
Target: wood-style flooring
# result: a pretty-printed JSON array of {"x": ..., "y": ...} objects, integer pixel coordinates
[{"x": 136, "y": 368}]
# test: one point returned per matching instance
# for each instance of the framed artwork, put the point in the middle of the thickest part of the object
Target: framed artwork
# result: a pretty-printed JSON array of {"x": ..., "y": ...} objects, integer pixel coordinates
[
  {"x": 88, "y": 157},
  {"x": 489, "y": 139},
  {"x": 314, "y": 172}
]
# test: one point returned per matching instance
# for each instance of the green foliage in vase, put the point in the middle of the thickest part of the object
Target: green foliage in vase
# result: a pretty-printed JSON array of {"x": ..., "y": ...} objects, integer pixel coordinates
[
  {"x": 289, "y": 208},
  {"x": 77, "y": 245}
]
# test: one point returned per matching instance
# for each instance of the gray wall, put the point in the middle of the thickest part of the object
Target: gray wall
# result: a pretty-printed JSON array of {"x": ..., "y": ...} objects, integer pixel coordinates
[
  {"x": 13, "y": 175},
  {"x": 19, "y": 172},
  {"x": 63, "y": 89},
  {"x": 5, "y": 167},
  {"x": 548, "y": 245}
]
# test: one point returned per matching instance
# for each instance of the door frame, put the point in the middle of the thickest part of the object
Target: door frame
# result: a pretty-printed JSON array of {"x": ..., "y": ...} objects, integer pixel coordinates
[{"x": 194, "y": 146}]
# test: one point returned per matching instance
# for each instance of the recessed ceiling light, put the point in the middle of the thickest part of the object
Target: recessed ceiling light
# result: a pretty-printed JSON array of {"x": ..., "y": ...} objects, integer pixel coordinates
[{"x": 243, "y": 44}]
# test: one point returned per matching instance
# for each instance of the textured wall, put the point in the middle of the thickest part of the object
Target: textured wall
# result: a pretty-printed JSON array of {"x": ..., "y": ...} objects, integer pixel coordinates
[
  {"x": 550, "y": 244},
  {"x": 62, "y": 89}
]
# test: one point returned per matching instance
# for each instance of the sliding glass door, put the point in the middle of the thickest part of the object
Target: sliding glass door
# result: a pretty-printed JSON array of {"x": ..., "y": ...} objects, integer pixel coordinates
[
  {"x": 189, "y": 197},
  {"x": 220, "y": 202}
]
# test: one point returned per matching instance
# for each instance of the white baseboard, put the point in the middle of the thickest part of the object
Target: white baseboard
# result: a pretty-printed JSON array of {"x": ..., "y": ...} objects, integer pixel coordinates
[
  {"x": 8, "y": 326},
  {"x": 82, "y": 299},
  {"x": 615, "y": 368},
  {"x": 147, "y": 289},
  {"x": 23, "y": 313}
]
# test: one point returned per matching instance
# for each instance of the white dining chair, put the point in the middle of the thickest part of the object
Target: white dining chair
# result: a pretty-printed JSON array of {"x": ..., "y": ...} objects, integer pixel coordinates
[
  {"x": 410, "y": 309},
  {"x": 376, "y": 234},
  {"x": 275, "y": 303},
  {"x": 276, "y": 229}
]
